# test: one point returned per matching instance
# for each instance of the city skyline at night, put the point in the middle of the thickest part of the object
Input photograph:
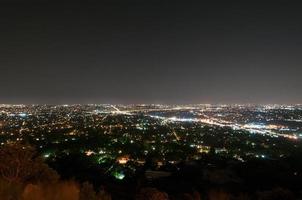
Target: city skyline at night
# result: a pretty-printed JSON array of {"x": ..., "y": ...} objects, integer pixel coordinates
[{"x": 150, "y": 100}]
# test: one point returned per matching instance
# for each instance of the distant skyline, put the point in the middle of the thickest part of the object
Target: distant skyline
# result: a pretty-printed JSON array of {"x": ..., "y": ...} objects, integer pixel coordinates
[{"x": 167, "y": 52}]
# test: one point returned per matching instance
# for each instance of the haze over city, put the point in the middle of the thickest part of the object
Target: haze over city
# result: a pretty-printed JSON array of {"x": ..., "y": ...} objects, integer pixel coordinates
[{"x": 150, "y": 52}]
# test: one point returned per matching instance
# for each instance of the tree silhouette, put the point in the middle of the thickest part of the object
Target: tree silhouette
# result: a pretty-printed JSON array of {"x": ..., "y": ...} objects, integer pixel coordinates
[
  {"x": 87, "y": 192},
  {"x": 20, "y": 164},
  {"x": 151, "y": 194}
]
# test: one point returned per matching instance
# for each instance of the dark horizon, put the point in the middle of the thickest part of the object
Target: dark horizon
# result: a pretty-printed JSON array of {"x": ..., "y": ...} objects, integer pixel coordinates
[{"x": 150, "y": 52}]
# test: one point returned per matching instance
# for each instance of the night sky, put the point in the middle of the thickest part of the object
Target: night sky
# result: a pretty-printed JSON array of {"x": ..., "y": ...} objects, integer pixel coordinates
[{"x": 150, "y": 52}]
